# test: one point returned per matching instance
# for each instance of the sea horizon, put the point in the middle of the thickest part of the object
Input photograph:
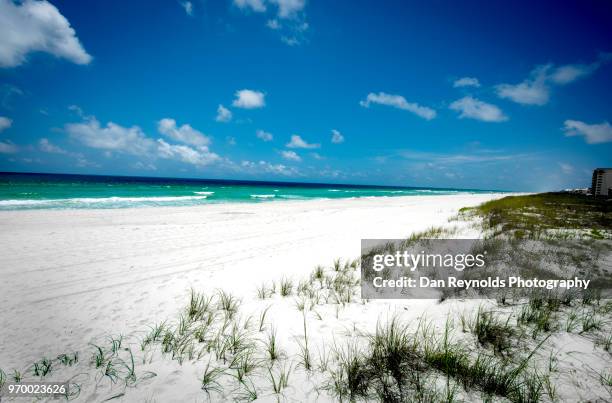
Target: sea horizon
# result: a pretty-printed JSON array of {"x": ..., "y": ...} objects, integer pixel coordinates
[{"x": 26, "y": 191}]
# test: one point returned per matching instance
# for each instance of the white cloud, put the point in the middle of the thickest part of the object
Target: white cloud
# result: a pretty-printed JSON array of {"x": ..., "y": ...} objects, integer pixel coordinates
[
  {"x": 188, "y": 6},
  {"x": 286, "y": 9},
  {"x": 264, "y": 166},
  {"x": 133, "y": 140},
  {"x": 249, "y": 99},
  {"x": 289, "y": 8},
  {"x": 399, "y": 102},
  {"x": 298, "y": 142},
  {"x": 466, "y": 82},
  {"x": 476, "y": 109},
  {"x": 593, "y": 133},
  {"x": 7, "y": 147},
  {"x": 255, "y": 5},
  {"x": 290, "y": 155},
  {"x": 337, "y": 137},
  {"x": 46, "y": 146},
  {"x": 112, "y": 137},
  {"x": 5, "y": 123},
  {"x": 36, "y": 26},
  {"x": 535, "y": 90},
  {"x": 201, "y": 157},
  {"x": 532, "y": 91},
  {"x": 265, "y": 136},
  {"x": 572, "y": 72},
  {"x": 474, "y": 157},
  {"x": 223, "y": 114},
  {"x": 183, "y": 134},
  {"x": 566, "y": 168}
]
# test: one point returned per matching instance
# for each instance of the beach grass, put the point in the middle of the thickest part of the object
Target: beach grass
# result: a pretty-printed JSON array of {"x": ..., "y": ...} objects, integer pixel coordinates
[{"x": 529, "y": 216}]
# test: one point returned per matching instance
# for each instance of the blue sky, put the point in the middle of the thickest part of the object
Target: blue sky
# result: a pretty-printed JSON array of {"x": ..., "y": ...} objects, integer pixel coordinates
[{"x": 446, "y": 94}]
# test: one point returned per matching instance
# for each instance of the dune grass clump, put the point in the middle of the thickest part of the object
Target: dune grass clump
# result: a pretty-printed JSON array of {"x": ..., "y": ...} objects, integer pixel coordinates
[
  {"x": 491, "y": 331},
  {"x": 397, "y": 365},
  {"x": 262, "y": 292},
  {"x": 210, "y": 379},
  {"x": 68, "y": 359},
  {"x": 286, "y": 287},
  {"x": 350, "y": 379},
  {"x": 271, "y": 346},
  {"x": 279, "y": 380},
  {"x": 199, "y": 305},
  {"x": 42, "y": 367}
]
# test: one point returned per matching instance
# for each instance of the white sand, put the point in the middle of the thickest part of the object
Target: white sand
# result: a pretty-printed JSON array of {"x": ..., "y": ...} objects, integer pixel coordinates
[
  {"x": 75, "y": 276},
  {"x": 71, "y": 275}
]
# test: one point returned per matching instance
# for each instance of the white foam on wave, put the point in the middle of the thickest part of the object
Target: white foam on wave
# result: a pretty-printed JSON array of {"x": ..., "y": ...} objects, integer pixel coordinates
[
  {"x": 292, "y": 197},
  {"x": 95, "y": 201},
  {"x": 204, "y": 193}
]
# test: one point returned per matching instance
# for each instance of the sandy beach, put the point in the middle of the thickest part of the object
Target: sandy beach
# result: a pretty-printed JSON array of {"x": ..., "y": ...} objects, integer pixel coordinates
[
  {"x": 70, "y": 276},
  {"x": 77, "y": 279}
]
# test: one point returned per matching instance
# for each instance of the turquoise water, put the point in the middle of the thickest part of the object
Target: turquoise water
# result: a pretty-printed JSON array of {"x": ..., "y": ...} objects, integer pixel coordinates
[{"x": 52, "y": 191}]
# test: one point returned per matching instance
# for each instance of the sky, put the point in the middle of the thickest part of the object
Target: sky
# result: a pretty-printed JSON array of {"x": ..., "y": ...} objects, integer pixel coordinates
[{"x": 470, "y": 94}]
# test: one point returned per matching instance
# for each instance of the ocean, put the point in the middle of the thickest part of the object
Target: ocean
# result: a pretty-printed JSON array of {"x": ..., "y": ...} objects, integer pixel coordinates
[{"x": 21, "y": 191}]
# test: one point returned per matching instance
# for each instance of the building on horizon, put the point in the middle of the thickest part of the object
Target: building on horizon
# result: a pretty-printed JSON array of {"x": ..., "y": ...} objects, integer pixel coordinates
[{"x": 602, "y": 182}]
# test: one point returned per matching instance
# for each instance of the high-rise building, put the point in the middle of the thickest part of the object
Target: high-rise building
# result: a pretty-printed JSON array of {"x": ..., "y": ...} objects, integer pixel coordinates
[{"x": 602, "y": 182}]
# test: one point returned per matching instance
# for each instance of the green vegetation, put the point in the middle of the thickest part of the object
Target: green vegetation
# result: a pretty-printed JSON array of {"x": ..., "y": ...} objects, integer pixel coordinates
[{"x": 531, "y": 216}]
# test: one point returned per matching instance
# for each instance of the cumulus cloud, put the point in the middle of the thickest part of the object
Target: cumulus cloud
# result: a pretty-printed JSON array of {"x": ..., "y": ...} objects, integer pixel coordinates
[
  {"x": 593, "y": 133},
  {"x": 183, "y": 134},
  {"x": 473, "y": 108},
  {"x": 290, "y": 155},
  {"x": 201, "y": 157},
  {"x": 133, "y": 141},
  {"x": 223, "y": 114},
  {"x": 5, "y": 123},
  {"x": 249, "y": 99},
  {"x": 112, "y": 137},
  {"x": 535, "y": 90},
  {"x": 399, "y": 102},
  {"x": 299, "y": 142},
  {"x": 466, "y": 82},
  {"x": 36, "y": 26},
  {"x": 188, "y": 7},
  {"x": 337, "y": 137},
  {"x": 265, "y": 136},
  {"x": 7, "y": 147}
]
